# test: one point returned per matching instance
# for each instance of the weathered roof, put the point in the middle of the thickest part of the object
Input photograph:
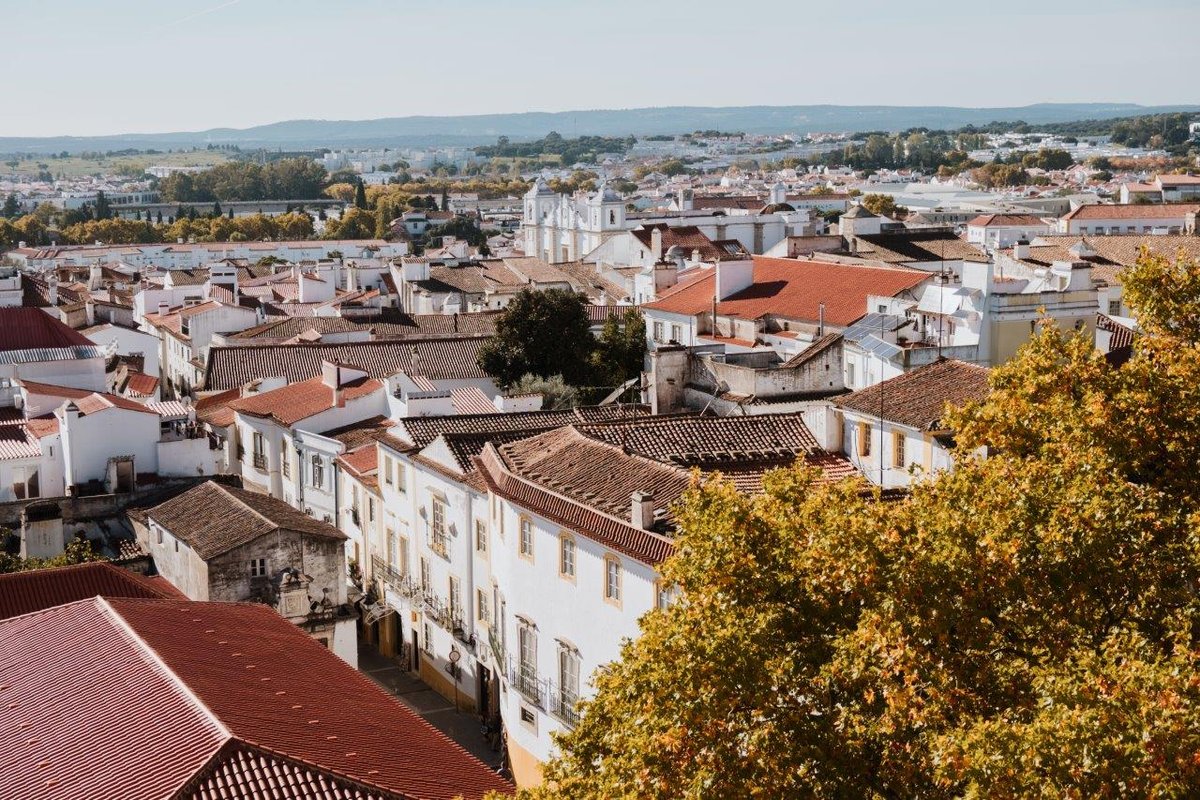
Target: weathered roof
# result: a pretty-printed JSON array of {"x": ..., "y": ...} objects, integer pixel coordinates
[
  {"x": 919, "y": 398},
  {"x": 206, "y": 700},
  {"x": 917, "y": 247},
  {"x": 436, "y": 359},
  {"x": 214, "y": 519},
  {"x": 578, "y": 483}
]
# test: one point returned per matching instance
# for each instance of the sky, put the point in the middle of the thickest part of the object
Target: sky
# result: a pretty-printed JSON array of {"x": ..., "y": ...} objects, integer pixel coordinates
[{"x": 92, "y": 67}]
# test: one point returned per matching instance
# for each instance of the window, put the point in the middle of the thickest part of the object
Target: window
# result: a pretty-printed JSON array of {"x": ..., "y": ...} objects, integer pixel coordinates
[
  {"x": 390, "y": 538},
  {"x": 437, "y": 526},
  {"x": 480, "y": 536},
  {"x": 864, "y": 439},
  {"x": 285, "y": 463},
  {"x": 427, "y": 638},
  {"x": 25, "y": 483},
  {"x": 898, "y": 440},
  {"x": 158, "y": 535},
  {"x": 370, "y": 509},
  {"x": 1114, "y": 307},
  {"x": 318, "y": 472},
  {"x": 882, "y": 308},
  {"x": 455, "y": 599},
  {"x": 402, "y": 556},
  {"x": 481, "y": 606},
  {"x": 849, "y": 376},
  {"x": 658, "y": 331},
  {"x": 612, "y": 579},
  {"x": 664, "y": 595},
  {"x": 424, "y": 575},
  {"x": 676, "y": 333},
  {"x": 568, "y": 683},
  {"x": 526, "y": 657},
  {"x": 525, "y": 545},
  {"x": 387, "y": 470},
  {"x": 566, "y": 556},
  {"x": 260, "y": 456},
  {"x": 258, "y": 568},
  {"x": 400, "y": 476}
]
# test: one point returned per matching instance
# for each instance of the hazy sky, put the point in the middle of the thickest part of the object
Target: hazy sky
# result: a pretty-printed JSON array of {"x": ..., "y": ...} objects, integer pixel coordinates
[{"x": 89, "y": 67}]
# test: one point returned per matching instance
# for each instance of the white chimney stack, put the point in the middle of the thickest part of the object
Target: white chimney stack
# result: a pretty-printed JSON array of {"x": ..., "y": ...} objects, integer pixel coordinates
[
  {"x": 656, "y": 244},
  {"x": 641, "y": 513}
]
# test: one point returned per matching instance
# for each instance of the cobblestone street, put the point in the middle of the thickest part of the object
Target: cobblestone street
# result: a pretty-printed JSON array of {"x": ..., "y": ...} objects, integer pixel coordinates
[{"x": 462, "y": 727}]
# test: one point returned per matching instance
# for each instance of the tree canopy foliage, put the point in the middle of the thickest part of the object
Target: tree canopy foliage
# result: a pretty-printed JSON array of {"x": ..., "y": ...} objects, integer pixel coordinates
[
  {"x": 583, "y": 149},
  {"x": 543, "y": 333},
  {"x": 285, "y": 179},
  {"x": 1026, "y": 625}
]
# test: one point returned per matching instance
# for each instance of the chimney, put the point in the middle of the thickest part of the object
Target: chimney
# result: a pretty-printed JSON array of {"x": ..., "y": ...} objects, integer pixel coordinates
[
  {"x": 1021, "y": 250},
  {"x": 641, "y": 512},
  {"x": 820, "y": 320},
  {"x": 163, "y": 308},
  {"x": 656, "y": 244}
]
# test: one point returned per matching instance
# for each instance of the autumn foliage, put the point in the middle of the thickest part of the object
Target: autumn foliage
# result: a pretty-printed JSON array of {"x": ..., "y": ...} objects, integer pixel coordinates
[{"x": 1026, "y": 625}]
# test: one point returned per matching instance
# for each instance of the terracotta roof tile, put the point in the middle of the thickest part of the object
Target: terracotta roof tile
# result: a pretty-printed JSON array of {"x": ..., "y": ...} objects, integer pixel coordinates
[
  {"x": 214, "y": 519},
  {"x": 289, "y": 404},
  {"x": 795, "y": 289},
  {"x": 33, "y": 329},
  {"x": 919, "y": 398},
  {"x": 38, "y": 589},
  {"x": 436, "y": 358},
  {"x": 208, "y": 700}
]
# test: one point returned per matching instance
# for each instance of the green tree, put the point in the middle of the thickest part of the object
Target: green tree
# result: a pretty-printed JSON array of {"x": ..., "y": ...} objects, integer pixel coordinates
[
  {"x": 12, "y": 208},
  {"x": 882, "y": 204},
  {"x": 541, "y": 333},
  {"x": 360, "y": 195},
  {"x": 556, "y": 394},
  {"x": 103, "y": 209},
  {"x": 621, "y": 348},
  {"x": 77, "y": 551},
  {"x": 1025, "y": 625}
]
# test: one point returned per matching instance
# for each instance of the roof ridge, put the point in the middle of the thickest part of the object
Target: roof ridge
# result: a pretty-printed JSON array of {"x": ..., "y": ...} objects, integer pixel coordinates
[
  {"x": 270, "y": 522},
  {"x": 151, "y": 655}
]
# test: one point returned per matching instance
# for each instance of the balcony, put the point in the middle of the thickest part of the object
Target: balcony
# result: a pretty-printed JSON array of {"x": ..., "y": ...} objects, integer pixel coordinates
[
  {"x": 524, "y": 679},
  {"x": 397, "y": 582},
  {"x": 260, "y": 462},
  {"x": 563, "y": 704}
]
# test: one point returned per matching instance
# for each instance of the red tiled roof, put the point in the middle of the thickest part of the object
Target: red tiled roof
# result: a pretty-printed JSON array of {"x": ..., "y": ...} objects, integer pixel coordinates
[
  {"x": 361, "y": 461},
  {"x": 289, "y": 404},
  {"x": 31, "y": 329},
  {"x": 141, "y": 384},
  {"x": 686, "y": 237},
  {"x": 581, "y": 517},
  {"x": 795, "y": 289},
  {"x": 38, "y": 589},
  {"x": 214, "y": 519},
  {"x": 1146, "y": 211},
  {"x": 167, "y": 698},
  {"x": 919, "y": 398},
  {"x": 1006, "y": 220},
  {"x": 86, "y": 401}
]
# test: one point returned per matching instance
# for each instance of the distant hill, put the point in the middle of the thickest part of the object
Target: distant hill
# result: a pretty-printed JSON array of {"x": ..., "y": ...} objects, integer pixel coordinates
[{"x": 484, "y": 128}]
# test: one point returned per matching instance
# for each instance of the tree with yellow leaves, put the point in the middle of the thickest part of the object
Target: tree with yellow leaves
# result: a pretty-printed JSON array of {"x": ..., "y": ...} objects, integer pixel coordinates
[{"x": 1028, "y": 624}]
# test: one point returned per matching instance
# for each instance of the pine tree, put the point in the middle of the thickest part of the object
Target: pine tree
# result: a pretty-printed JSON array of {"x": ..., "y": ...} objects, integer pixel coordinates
[
  {"x": 12, "y": 209},
  {"x": 360, "y": 194}
]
